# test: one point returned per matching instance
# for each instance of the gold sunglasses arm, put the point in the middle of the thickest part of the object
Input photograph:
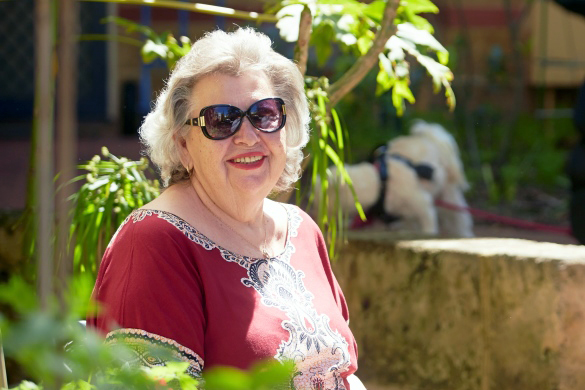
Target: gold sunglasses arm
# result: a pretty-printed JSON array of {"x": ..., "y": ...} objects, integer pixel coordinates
[{"x": 196, "y": 121}]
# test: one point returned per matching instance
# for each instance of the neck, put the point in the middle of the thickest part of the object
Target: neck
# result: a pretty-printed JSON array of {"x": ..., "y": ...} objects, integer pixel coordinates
[{"x": 236, "y": 212}]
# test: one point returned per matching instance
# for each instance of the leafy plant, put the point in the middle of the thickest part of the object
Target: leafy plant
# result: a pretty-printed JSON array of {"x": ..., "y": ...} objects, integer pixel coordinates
[
  {"x": 352, "y": 25},
  {"x": 164, "y": 46},
  {"x": 328, "y": 143},
  {"x": 113, "y": 188},
  {"x": 59, "y": 353}
]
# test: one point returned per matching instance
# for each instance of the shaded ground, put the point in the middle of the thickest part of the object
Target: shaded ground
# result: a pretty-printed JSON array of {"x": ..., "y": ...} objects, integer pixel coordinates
[
  {"x": 531, "y": 205},
  {"x": 482, "y": 230},
  {"x": 545, "y": 210}
]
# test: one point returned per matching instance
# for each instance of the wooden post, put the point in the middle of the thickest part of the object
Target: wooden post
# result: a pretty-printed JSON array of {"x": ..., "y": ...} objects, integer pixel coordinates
[
  {"x": 66, "y": 129},
  {"x": 44, "y": 96}
]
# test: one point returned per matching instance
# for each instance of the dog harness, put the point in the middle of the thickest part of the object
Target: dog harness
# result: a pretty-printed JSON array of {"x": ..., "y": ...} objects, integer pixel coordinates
[
  {"x": 423, "y": 171},
  {"x": 377, "y": 210}
]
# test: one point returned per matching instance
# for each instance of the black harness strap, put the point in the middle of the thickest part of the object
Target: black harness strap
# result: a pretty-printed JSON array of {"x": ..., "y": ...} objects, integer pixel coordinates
[
  {"x": 423, "y": 171},
  {"x": 377, "y": 210}
]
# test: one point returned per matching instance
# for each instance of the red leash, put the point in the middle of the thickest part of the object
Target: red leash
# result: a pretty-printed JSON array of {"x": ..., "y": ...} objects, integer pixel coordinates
[{"x": 506, "y": 220}]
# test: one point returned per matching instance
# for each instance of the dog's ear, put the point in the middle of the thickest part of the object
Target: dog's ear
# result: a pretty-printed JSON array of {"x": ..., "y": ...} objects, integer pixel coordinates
[{"x": 379, "y": 151}]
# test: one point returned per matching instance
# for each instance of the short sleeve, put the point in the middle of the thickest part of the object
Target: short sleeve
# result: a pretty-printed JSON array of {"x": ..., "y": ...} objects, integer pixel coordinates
[
  {"x": 335, "y": 288},
  {"x": 326, "y": 263},
  {"x": 150, "y": 294}
]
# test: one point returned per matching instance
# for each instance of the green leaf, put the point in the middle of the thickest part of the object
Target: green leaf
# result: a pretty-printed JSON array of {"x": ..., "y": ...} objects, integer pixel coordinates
[
  {"x": 226, "y": 378},
  {"x": 272, "y": 374},
  {"x": 97, "y": 184},
  {"x": 421, "y": 23},
  {"x": 151, "y": 51},
  {"x": 400, "y": 92},
  {"x": 78, "y": 385},
  {"x": 363, "y": 44},
  {"x": 321, "y": 38},
  {"x": 409, "y": 32},
  {"x": 419, "y": 6},
  {"x": 396, "y": 47},
  {"x": 289, "y": 18},
  {"x": 131, "y": 26},
  {"x": 27, "y": 385},
  {"x": 401, "y": 69},
  {"x": 438, "y": 72},
  {"x": 450, "y": 95},
  {"x": 443, "y": 57},
  {"x": 19, "y": 294},
  {"x": 386, "y": 77},
  {"x": 375, "y": 10},
  {"x": 168, "y": 372}
]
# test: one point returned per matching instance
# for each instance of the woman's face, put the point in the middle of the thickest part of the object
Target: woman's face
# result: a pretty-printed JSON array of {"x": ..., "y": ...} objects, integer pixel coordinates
[{"x": 250, "y": 162}]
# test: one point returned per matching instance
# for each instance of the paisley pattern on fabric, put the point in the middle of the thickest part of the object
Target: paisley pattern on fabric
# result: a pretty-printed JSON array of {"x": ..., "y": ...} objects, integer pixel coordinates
[
  {"x": 151, "y": 350},
  {"x": 320, "y": 353}
]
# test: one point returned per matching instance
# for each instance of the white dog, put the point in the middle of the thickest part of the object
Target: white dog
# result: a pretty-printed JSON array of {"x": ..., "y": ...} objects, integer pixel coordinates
[{"x": 410, "y": 175}]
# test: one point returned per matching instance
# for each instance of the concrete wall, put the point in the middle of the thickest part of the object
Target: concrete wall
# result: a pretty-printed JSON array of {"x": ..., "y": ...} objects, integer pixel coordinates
[{"x": 481, "y": 314}]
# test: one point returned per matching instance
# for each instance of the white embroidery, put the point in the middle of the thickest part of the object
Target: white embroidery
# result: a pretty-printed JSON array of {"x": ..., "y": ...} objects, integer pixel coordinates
[{"x": 320, "y": 353}]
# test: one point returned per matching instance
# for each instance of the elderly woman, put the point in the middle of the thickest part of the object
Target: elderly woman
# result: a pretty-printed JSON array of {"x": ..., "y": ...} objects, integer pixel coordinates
[{"x": 212, "y": 269}]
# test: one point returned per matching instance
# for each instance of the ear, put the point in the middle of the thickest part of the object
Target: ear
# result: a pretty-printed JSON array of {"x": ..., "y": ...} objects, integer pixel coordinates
[{"x": 184, "y": 156}]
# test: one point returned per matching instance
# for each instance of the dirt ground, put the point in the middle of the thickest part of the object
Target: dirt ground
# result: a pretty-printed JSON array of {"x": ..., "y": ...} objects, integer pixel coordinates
[
  {"x": 485, "y": 230},
  {"x": 531, "y": 204}
]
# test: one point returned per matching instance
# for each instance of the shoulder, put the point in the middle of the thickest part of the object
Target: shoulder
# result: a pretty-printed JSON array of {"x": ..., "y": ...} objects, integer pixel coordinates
[
  {"x": 288, "y": 211},
  {"x": 300, "y": 220},
  {"x": 151, "y": 240},
  {"x": 148, "y": 225}
]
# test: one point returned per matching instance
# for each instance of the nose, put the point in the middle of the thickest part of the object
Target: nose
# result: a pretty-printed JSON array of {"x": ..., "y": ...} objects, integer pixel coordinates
[{"x": 248, "y": 134}]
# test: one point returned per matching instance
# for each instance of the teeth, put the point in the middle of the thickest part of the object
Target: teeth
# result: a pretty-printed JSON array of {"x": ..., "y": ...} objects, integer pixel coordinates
[{"x": 247, "y": 160}]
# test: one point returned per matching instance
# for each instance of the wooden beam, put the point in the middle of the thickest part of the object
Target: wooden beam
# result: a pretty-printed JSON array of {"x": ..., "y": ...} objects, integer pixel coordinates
[{"x": 198, "y": 7}]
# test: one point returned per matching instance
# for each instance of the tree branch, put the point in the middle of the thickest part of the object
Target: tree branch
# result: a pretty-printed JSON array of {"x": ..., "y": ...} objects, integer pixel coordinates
[
  {"x": 302, "y": 46},
  {"x": 362, "y": 66}
]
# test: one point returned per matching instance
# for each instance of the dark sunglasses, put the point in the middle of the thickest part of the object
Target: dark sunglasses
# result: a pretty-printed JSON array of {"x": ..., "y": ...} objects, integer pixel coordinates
[{"x": 221, "y": 121}]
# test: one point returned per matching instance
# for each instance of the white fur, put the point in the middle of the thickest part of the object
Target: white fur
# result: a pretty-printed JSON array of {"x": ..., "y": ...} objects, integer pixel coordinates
[
  {"x": 409, "y": 196},
  {"x": 367, "y": 187}
]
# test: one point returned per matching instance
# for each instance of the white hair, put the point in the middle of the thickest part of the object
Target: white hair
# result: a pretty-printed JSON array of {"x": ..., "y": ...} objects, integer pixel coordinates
[{"x": 232, "y": 54}]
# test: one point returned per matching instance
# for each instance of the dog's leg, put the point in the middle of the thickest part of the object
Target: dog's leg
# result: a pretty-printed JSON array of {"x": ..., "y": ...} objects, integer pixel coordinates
[
  {"x": 415, "y": 205},
  {"x": 405, "y": 196},
  {"x": 427, "y": 214},
  {"x": 455, "y": 223}
]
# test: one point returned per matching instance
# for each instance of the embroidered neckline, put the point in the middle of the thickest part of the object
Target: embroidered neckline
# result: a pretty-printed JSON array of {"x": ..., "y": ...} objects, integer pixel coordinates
[{"x": 294, "y": 220}]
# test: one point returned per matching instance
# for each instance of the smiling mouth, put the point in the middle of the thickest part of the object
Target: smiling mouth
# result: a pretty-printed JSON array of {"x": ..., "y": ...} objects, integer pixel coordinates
[{"x": 248, "y": 160}]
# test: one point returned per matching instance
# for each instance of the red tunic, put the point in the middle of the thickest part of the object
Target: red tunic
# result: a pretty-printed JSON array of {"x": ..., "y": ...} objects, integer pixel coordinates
[{"x": 162, "y": 282}]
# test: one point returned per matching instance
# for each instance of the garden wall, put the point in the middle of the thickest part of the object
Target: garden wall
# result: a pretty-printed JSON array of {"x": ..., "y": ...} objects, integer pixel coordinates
[{"x": 477, "y": 314}]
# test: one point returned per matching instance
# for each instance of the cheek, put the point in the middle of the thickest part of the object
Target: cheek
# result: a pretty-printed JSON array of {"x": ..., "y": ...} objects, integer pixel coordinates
[{"x": 283, "y": 141}]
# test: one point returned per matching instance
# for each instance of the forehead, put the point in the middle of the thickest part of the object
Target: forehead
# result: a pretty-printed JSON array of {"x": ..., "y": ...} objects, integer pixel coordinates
[{"x": 240, "y": 91}]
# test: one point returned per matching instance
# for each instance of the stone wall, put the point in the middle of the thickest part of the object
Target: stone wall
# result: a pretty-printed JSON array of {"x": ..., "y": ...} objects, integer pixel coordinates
[{"x": 471, "y": 314}]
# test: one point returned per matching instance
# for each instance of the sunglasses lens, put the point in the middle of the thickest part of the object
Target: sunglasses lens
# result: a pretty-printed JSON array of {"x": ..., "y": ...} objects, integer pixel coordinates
[
  {"x": 266, "y": 115},
  {"x": 222, "y": 121}
]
